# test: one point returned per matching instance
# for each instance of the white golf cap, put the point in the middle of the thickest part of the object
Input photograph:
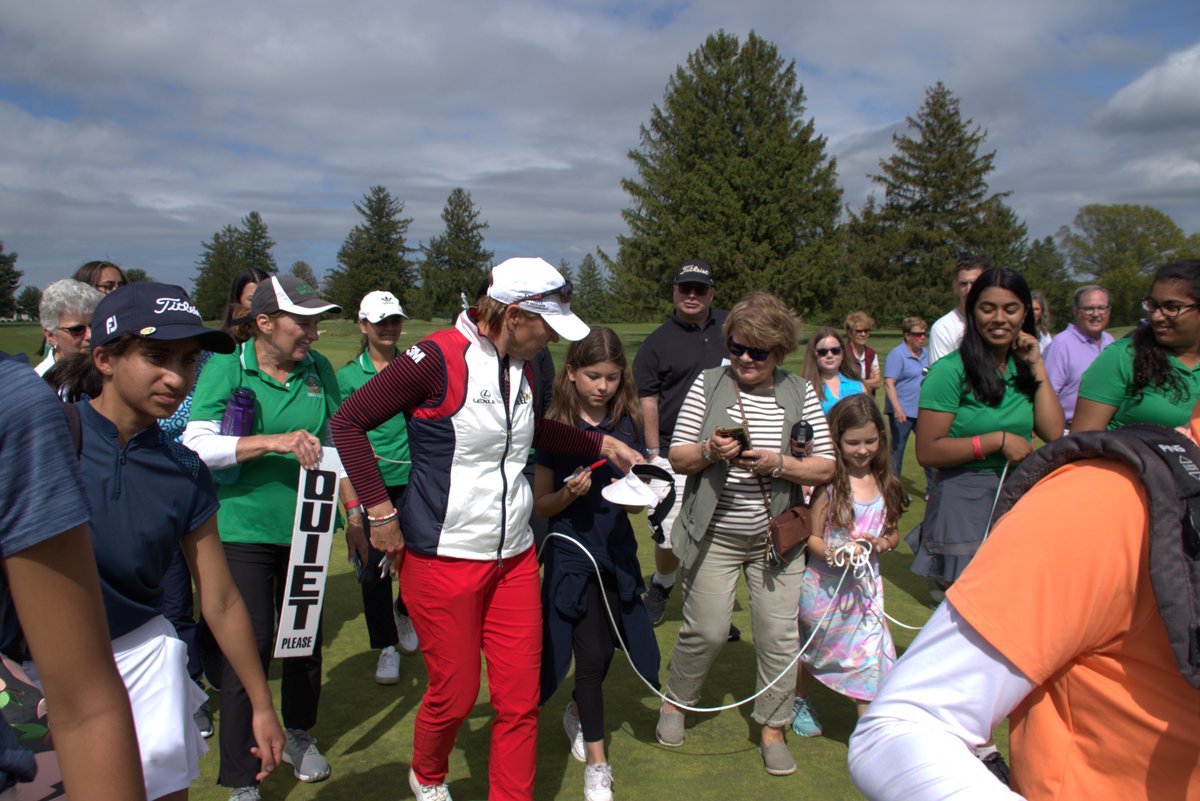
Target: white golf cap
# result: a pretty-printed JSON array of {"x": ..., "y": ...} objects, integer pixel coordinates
[
  {"x": 379, "y": 305},
  {"x": 535, "y": 286}
]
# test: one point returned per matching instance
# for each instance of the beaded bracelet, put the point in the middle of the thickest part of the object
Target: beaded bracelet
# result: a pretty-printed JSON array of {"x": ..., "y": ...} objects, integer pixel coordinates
[{"x": 383, "y": 520}]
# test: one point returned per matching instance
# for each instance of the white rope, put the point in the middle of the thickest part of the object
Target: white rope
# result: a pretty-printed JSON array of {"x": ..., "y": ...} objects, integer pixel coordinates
[
  {"x": 629, "y": 658},
  {"x": 996, "y": 499}
]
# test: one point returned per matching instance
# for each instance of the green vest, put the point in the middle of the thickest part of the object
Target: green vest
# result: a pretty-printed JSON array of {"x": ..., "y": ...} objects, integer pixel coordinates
[{"x": 704, "y": 488}]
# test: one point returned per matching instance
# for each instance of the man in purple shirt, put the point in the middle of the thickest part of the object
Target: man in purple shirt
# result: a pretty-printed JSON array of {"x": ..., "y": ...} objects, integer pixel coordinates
[{"x": 1073, "y": 350}]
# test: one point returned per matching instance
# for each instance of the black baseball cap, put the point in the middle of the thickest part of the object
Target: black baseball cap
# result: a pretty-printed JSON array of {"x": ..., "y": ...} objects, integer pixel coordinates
[
  {"x": 151, "y": 310},
  {"x": 695, "y": 272}
]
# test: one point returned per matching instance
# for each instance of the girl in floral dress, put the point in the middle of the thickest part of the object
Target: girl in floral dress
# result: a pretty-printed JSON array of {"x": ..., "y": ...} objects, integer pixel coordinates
[{"x": 852, "y": 650}]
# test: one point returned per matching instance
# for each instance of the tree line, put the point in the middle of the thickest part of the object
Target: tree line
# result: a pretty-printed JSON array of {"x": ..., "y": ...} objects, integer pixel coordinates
[{"x": 729, "y": 170}]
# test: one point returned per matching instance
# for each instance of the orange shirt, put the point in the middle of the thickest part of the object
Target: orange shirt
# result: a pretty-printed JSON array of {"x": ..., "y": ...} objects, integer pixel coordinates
[{"x": 1062, "y": 590}]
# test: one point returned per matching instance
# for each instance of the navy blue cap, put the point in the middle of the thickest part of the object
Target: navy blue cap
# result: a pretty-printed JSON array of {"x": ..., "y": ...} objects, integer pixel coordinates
[{"x": 154, "y": 311}]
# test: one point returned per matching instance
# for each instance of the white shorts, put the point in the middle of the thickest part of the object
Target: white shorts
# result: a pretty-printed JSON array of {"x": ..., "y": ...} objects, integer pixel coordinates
[{"x": 152, "y": 662}]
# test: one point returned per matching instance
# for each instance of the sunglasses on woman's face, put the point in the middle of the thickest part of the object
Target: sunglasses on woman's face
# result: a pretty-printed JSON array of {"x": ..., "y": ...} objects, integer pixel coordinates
[
  {"x": 75, "y": 330},
  {"x": 108, "y": 286},
  {"x": 738, "y": 350},
  {"x": 563, "y": 293},
  {"x": 829, "y": 352}
]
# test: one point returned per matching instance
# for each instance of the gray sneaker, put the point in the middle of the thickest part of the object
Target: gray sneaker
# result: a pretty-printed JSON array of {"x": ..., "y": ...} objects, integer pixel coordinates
[
  {"x": 204, "y": 720},
  {"x": 247, "y": 793},
  {"x": 655, "y": 601},
  {"x": 428, "y": 792},
  {"x": 300, "y": 751}
]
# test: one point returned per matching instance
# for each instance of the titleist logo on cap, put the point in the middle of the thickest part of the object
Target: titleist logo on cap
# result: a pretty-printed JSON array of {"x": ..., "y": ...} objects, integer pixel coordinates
[
  {"x": 693, "y": 268},
  {"x": 175, "y": 304}
]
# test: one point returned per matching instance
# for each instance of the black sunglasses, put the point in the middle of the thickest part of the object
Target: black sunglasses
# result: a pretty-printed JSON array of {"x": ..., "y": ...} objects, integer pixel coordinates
[
  {"x": 737, "y": 350},
  {"x": 828, "y": 351},
  {"x": 75, "y": 330},
  {"x": 562, "y": 292}
]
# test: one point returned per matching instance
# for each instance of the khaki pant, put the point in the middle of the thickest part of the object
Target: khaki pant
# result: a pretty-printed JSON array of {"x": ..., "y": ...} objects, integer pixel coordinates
[{"x": 709, "y": 588}]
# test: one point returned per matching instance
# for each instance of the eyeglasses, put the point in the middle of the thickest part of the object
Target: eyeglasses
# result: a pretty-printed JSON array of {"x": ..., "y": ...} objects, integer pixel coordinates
[
  {"x": 829, "y": 351},
  {"x": 917, "y": 333},
  {"x": 1170, "y": 309},
  {"x": 699, "y": 290},
  {"x": 1097, "y": 309},
  {"x": 75, "y": 330},
  {"x": 862, "y": 330},
  {"x": 108, "y": 286},
  {"x": 738, "y": 350},
  {"x": 562, "y": 292}
]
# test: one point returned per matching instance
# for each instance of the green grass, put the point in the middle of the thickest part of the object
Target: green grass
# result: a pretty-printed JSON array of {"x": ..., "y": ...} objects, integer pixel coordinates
[{"x": 366, "y": 729}]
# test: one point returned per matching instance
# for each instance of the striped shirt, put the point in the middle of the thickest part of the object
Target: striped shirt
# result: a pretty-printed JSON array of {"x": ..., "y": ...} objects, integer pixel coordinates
[{"x": 740, "y": 507}]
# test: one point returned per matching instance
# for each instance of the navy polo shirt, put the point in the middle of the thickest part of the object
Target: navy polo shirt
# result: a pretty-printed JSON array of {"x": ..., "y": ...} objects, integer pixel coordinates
[
  {"x": 145, "y": 497},
  {"x": 670, "y": 359}
]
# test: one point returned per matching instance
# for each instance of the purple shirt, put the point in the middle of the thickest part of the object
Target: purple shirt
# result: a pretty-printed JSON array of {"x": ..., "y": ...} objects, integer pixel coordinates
[
  {"x": 908, "y": 371},
  {"x": 1066, "y": 358}
]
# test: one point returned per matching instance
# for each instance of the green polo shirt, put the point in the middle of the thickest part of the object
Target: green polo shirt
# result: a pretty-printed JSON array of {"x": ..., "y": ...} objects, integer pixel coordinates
[
  {"x": 945, "y": 390},
  {"x": 261, "y": 506},
  {"x": 1109, "y": 378},
  {"x": 390, "y": 440}
]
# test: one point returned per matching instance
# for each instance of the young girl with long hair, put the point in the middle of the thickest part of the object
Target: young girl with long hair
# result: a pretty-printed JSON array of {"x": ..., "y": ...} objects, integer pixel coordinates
[
  {"x": 595, "y": 392},
  {"x": 150, "y": 496},
  {"x": 862, "y": 504}
]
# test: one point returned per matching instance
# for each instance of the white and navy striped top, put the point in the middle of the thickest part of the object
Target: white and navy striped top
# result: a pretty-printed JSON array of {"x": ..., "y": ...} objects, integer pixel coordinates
[{"x": 740, "y": 507}]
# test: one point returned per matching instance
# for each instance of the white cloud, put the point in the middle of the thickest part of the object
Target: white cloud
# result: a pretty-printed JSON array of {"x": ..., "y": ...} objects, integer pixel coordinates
[
  {"x": 1167, "y": 96},
  {"x": 135, "y": 129}
]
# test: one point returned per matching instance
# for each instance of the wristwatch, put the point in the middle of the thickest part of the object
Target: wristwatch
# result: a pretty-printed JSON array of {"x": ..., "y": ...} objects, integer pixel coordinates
[
  {"x": 653, "y": 452},
  {"x": 778, "y": 471}
]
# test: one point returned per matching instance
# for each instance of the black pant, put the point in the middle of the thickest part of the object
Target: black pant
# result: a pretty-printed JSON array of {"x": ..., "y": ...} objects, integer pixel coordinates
[
  {"x": 377, "y": 592},
  {"x": 593, "y": 642},
  {"x": 259, "y": 572}
]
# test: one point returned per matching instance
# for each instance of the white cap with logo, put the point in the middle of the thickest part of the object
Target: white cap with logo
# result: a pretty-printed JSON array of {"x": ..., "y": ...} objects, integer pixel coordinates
[
  {"x": 535, "y": 286},
  {"x": 378, "y": 306}
]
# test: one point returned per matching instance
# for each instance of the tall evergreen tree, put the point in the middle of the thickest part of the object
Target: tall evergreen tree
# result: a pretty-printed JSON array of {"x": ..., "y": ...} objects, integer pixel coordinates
[
  {"x": 729, "y": 171},
  {"x": 1044, "y": 267},
  {"x": 256, "y": 244},
  {"x": 135, "y": 275},
  {"x": 937, "y": 207},
  {"x": 303, "y": 271},
  {"x": 220, "y": 262},
  {"x": 374, "y": 255},
  {"x": 10, "y": 279},
  {"x": 591, "y": 300},
  {"x": 1120, "y": 246},
  {"x": 454, "y": 261}
]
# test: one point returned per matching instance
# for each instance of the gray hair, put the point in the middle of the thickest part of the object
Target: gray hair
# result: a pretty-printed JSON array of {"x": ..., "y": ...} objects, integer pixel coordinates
[
  {"x": 67, "y": 295},
  {"x": 1077, "y": 301}
]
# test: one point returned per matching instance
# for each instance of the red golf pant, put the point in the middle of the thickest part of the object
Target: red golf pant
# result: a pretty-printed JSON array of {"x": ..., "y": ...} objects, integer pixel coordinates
[{"x": 459, "y": 607}]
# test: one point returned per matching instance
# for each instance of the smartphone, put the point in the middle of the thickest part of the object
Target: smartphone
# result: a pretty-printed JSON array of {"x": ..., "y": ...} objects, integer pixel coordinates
[{"x": 736, "y": 432}]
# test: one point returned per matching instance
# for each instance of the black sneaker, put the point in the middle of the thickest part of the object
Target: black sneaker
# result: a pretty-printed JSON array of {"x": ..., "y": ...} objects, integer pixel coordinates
[
  {"x": 655, "y": 600},
  {"x": 204, "y": 721},
  {"x": 996, "y": 764},
  {"x": 735, "y": 633}
]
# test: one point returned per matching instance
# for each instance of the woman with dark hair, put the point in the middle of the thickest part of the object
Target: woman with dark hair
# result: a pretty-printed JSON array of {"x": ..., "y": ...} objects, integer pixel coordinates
[
  {"x": 103, "y": 276},
  {"x": 1153, "y": 376},
  {"x": 237, "y": 308},
  {"x": 827, "y": 368},
  {"x": 979, "y": 407}
]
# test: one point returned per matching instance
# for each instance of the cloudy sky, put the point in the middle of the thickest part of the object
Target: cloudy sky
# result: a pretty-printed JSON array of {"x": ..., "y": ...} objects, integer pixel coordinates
[{"x": 133, "y": 129}]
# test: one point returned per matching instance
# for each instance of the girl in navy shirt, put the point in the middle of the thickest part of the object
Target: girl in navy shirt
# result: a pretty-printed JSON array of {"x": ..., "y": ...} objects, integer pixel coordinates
[
  {"x": 594, "y": 391},
  {"x": 150, "y": 495}
]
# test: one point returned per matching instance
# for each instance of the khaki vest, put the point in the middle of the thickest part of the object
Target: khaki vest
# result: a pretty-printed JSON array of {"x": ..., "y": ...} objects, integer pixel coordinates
[{"x": 704, "y": 488}]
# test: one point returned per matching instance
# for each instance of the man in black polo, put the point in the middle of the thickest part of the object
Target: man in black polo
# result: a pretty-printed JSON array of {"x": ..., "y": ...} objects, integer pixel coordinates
[{"x": 665, "y": 366}]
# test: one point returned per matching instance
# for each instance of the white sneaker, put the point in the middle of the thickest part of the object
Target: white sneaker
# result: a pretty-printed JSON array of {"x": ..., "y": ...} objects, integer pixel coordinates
[
  {"x": 597, "y": 782},
  {"x": 575, "y": 734},
  {"x": 300, "y": 751},
  {"x": 407, "y": 634},
  {"x": 387, "y": 669},
  {"x": 428, "y": 792}
]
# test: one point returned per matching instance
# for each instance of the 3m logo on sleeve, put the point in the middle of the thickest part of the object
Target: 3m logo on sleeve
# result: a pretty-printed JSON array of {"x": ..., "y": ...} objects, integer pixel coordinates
[{"x": 415, "y": 353}]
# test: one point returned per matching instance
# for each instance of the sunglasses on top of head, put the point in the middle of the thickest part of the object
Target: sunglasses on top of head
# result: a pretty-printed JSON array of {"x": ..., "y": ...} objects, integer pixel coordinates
[
  {"x": 561, "y": 293},
  {"x": 737, "y": 350},
  {"x": 835, "y": 351}
]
